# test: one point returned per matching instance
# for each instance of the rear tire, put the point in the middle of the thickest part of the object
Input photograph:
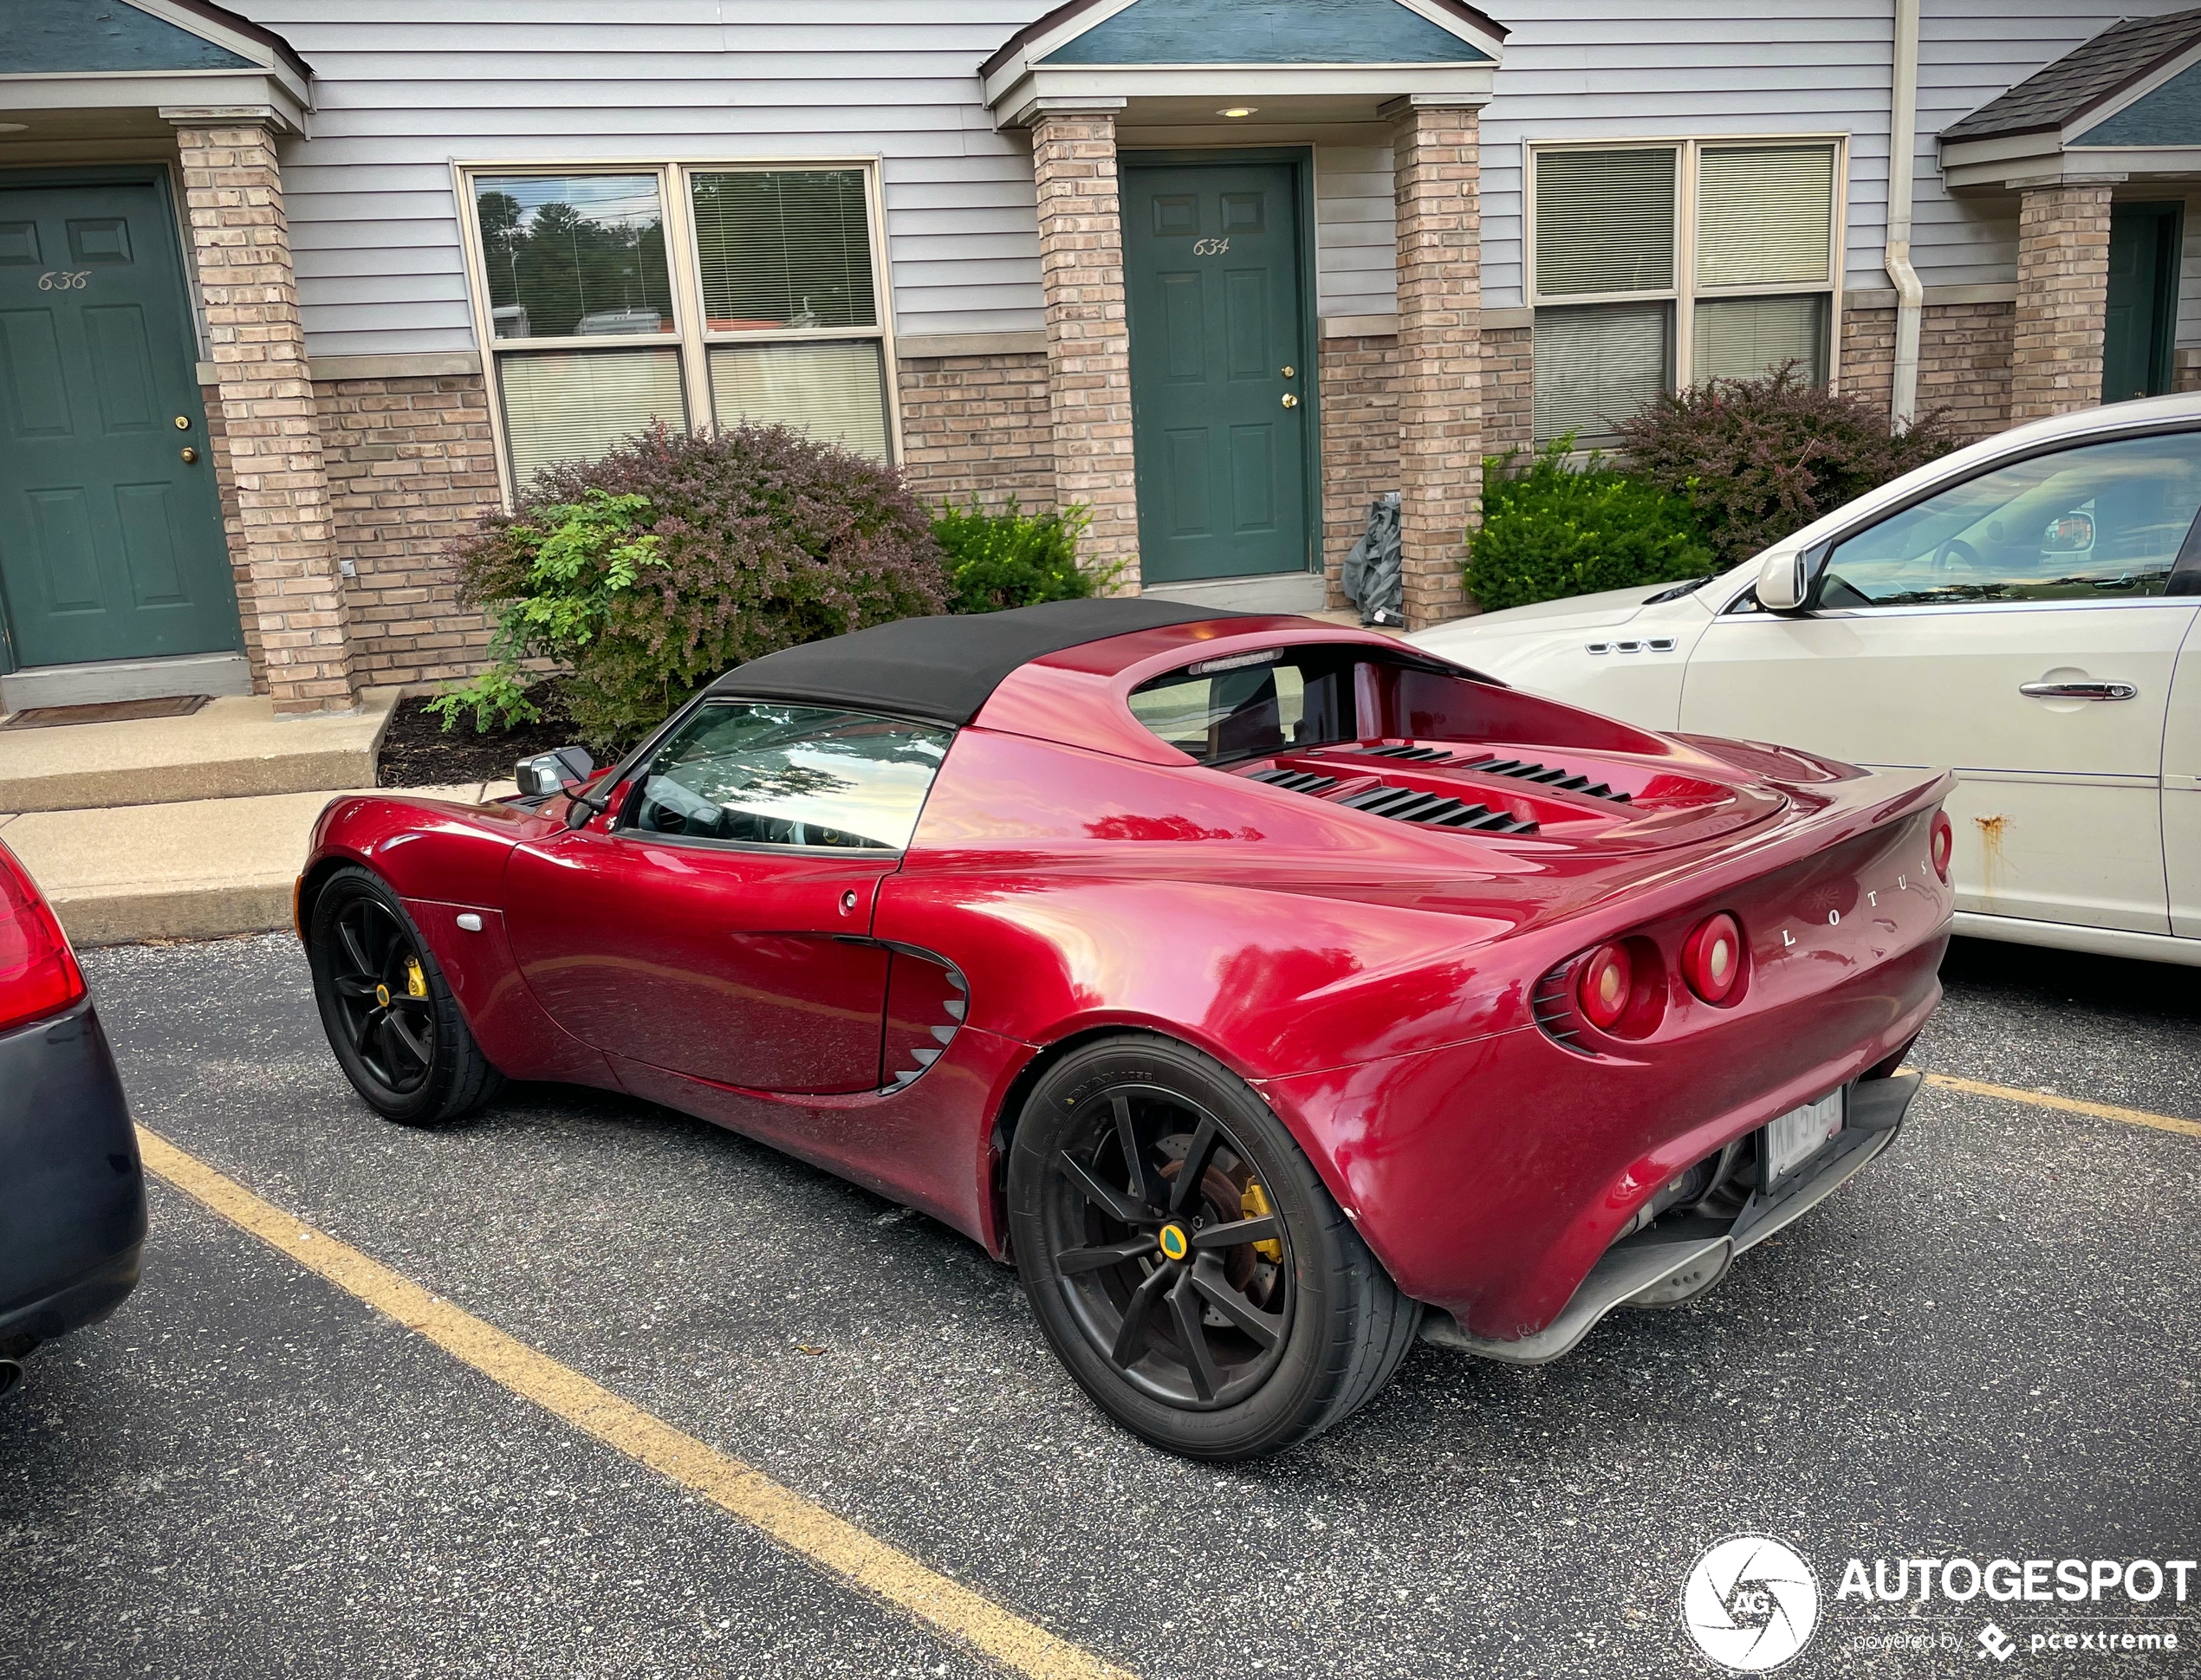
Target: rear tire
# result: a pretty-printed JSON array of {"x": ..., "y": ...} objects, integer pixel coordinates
[
  {"x": 1196, "y": 1320},
  {"x": 396, "y": 1030}
]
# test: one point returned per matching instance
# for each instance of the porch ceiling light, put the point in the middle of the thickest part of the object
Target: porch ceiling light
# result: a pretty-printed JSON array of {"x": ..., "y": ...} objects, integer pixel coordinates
[
  {"x": 1238, "y": 111},
  {"x": 13, "y": 128}
]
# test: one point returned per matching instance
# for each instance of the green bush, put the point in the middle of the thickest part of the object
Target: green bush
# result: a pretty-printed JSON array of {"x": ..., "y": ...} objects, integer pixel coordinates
[
  {"x": 650, "y": 571},
  {"x": 1551, "y": 529},
  {"x": 1757, "y": 460},
  {"x": 1006, "y": 557}
]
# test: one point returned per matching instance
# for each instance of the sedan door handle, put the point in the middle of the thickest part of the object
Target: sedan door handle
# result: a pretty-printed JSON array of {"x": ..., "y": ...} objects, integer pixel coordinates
[{"x": 2078, "y": 690}]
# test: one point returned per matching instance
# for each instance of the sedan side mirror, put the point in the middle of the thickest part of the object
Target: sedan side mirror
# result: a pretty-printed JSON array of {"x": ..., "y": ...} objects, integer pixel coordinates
[
  {"x": 552, "y": 773},
  {"x": 1785, "y": 582}
]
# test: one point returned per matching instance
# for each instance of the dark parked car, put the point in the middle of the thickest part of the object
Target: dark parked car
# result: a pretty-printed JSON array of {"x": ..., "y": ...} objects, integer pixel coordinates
[{"x": 72, "y": 1194}]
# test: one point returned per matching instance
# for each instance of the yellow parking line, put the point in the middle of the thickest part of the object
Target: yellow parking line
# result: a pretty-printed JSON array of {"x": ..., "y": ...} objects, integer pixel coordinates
[
  {"x": 2100, "y": 1111},
  {"x": 810, "y": 1530}
]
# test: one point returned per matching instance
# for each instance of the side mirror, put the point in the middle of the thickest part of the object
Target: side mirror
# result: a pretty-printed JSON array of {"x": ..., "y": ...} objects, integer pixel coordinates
[
  {"x": 1785, "y": 582},
  {"x": 2069, "y": 534},
  {"x": 552, "y": 773}
]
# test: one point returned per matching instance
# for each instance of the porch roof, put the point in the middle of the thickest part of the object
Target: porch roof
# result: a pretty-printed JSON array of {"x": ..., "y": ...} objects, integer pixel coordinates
[
  {"x": 72, "y": 69},
  {"x": 1171, "y": 60}
]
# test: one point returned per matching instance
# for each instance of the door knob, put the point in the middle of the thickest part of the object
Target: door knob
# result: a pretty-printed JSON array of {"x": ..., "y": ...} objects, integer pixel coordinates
[
  {"x": 190, "y": 457},
  {"x": 2078, "y": 690},
  {"x": 1290, "y": 401}
]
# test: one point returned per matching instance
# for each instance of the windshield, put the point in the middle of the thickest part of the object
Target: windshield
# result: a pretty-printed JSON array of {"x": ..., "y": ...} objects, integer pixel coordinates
[{"x": 1244, "y": 705}]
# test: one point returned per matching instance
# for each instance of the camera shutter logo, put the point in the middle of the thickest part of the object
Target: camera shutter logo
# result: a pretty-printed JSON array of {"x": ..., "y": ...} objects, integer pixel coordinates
[{"x": 1751, "y": 1603}]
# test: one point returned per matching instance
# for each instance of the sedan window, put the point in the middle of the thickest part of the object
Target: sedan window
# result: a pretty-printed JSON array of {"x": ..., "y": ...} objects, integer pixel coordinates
[
  {"x": 2102, "y": 523},
  {"x": 791, "y": 775}
]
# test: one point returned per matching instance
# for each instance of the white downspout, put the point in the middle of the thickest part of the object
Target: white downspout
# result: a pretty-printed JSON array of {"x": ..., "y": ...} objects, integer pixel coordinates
[{"x": 1902, "y": 158}]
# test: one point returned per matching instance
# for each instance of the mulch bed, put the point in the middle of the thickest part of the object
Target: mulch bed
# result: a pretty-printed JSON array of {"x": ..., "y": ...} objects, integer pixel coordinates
[{"x": 418, "y": 752}]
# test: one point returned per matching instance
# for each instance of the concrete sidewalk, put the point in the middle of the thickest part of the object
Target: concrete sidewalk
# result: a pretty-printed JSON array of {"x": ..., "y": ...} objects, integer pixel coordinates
[{"x": 192, "y": 870}]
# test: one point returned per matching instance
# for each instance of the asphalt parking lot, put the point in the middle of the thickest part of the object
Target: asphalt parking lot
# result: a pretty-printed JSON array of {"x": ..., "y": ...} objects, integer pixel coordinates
[{"x": 1986, "y": 1345}]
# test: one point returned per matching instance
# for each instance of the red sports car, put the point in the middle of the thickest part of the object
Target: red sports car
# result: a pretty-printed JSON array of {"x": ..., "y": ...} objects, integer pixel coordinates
[{"x": 1267, "y": 991}]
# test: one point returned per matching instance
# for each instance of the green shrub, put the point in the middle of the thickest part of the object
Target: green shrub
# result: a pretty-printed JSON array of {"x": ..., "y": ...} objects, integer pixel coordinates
[
  {"x": 1759, "y": 459},
  {"x": 1551, "y": 530},
  {"x": 651, "y": 570},
  {"x": 1006, "y": 557}
]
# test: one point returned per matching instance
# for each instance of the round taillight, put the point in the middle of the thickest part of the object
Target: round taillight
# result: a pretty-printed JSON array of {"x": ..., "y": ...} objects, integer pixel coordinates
[
  {"x": 1711, "y": 959},
  {"x": 1944, "y": 844},
  {"x": 1607, "y": 983}
]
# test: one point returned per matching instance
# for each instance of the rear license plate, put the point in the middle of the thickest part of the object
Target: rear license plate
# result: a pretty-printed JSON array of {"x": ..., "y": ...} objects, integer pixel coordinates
[{"x": 1794, "y": 1137}]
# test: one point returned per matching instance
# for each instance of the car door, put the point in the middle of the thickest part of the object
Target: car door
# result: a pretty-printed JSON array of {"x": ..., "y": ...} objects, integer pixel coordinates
[
  {"x": 2182, "y": 784},
  {"x": 2016, "y": 626},
  {"x": 717, "y": 925}
]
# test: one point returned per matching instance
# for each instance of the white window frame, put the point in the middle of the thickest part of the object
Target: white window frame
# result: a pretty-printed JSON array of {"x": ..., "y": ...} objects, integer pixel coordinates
[
  {"x": 1685, "y": 294},
  {"x": 689, "y": 335}
]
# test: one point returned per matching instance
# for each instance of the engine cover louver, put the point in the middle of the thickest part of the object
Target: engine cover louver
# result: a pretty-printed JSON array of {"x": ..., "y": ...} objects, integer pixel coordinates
[
  {"x": 1438, "y": 810},
  {"x": 1419, "y": 754},
  {"x": 1547, "y": 775},
  {"x": 1297, "y": 782}
]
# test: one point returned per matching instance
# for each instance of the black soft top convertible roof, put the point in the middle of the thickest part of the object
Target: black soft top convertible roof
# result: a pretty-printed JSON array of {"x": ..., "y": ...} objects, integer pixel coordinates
[{"x": 945, "y": 668}]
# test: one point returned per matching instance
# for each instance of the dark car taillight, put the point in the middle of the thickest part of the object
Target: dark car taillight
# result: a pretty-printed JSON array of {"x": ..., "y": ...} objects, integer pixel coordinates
[
  {"x": 38, "y": 972},
  {"x": 1944, "y": 844},
  {"x": 1711, "y": 959}
]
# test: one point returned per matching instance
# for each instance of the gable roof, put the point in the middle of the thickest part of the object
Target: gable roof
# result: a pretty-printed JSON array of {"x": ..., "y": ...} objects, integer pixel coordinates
[
  {"x": 1283, "y": 32},
  {"x": 2086, "y": 81},
  {"x": 49, "y": 37}
]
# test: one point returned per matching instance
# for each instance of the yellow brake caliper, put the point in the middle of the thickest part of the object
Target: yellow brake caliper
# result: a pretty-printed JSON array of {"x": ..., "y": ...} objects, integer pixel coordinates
[
  {"x": 416, "y": 982},
  {"x": 1253, "y": 1203}
]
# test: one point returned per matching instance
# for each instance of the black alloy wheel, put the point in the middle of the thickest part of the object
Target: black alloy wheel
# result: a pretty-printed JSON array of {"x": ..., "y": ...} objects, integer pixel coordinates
[
  {"x": 1176, "y": 1266},
  {"x": 397, "y": 1031},
  {"x": 380, "y": 990},
  {"x": 1185, "y": 1260}
]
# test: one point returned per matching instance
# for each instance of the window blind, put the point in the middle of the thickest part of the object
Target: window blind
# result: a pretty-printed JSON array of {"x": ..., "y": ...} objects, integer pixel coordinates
[
  {"x": 836, "y": 393},
  {"x": 1765, "y": 214},
  {"x": 1596, "y": 365},
  {"x": 1605, "y": 221},
  {"x": 784, "y": 248},
  {"x": 573, "y": 404},
  {"x": 1739, "y": 338}
]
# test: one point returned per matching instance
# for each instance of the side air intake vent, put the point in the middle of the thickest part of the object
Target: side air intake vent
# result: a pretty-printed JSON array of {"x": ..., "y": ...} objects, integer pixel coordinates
[
  {"x": 1297, "y": 782},
  {"x": 1406, "y": 805},
  {"x": 1548, "y": 775},
  {"x": 1419, "y": 754}
]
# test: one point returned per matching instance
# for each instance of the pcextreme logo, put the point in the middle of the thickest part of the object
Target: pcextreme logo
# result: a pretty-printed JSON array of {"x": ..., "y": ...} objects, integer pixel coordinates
[{"x": 1751, "y": 1603}]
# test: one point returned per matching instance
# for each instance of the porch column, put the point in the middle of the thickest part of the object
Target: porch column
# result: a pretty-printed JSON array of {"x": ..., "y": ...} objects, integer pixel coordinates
[
  {"x": 1436, "y": 176},
  {"x": 242, "y": 242},
  {"x": 1089, "y": 339},
  {"x": 2062, "y": 300}
]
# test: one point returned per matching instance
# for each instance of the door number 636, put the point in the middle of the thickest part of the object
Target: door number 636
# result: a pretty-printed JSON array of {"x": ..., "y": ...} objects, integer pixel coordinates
[{"x": 64, "y": 280}]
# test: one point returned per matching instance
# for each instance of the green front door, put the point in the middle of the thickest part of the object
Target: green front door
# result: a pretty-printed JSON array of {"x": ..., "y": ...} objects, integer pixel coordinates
[
  {"x": 2143, "y": 301},
  {"x": 1220, "y": 369},
  {"x": 111, "y": 544}
]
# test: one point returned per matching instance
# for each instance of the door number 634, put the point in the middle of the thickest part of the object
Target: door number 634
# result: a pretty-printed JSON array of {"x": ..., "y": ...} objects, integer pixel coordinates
[
  {"x": 64, "y": 280},
  {"x": 1211, "y": 248}
]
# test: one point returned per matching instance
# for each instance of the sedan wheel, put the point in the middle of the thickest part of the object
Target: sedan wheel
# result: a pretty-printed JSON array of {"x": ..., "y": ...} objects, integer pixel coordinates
[{"x": 1185, "y": 1260}]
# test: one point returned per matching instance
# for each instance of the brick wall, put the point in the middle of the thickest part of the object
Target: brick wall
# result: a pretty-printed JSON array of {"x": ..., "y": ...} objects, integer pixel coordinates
[
  {"x": 412, "y": 466},
  {"x": 1964, "y": 363},
  {"x": 270, "y": 442},
  {"x": 1509, "y": 389},
  {"x": 1088, "y": 334},
  {"x": 1359, "y": 379},
  {"x": 978, "y": 425},
  {"x": 1436, "y": 192},
  {"x": 2062, "y": 300}
]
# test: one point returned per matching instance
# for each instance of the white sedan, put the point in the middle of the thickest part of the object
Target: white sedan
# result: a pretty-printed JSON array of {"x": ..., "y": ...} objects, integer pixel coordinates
[{"x": 2022, "y": 612}]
